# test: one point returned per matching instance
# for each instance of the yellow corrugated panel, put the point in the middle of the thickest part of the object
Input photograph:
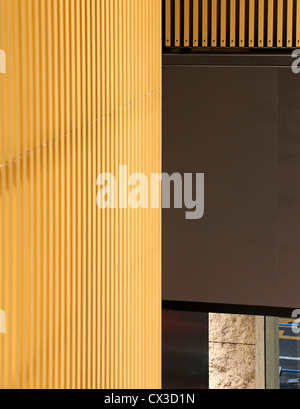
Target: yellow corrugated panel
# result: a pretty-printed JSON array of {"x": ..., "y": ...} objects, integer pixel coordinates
[{"x": 80, "y": 286}]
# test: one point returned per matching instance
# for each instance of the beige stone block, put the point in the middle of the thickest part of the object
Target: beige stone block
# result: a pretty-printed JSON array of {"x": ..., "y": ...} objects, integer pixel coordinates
[
  {"x": 238, "y": 329},
  {"x": 232, "y": 366}
]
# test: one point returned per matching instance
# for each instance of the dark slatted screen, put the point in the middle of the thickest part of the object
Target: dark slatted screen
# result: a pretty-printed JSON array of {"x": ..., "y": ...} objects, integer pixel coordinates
[{"x": 232, "y": 23}]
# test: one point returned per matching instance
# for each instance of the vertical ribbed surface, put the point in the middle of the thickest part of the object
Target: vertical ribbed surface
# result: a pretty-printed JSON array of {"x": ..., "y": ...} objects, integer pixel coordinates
[
  {"x": 231, "y": 23},
  {"x": 80, "y": 287}
]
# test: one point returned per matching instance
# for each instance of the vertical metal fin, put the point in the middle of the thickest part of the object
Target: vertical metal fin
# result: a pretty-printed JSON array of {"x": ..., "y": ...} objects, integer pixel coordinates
[
  {"x": 168, "y": 23},
  {"x": 298, "y": 23},
  {"x": 232, "y": 23},
  {"x": 261, "y": 23},
  {"x": 214, "y": 22},
  {"x": 280, "y": 23},
  {"x": 289, "y": 25},
  {"x": 251, "y": 23},
  {"x": 270, "y": 22},
  {"x": 242, "y": 21},
  {"x": 177, "y": 23},
  {"x": 186, "y": 23},
  {"x": 195, "y": 23},
  {"x": 204, "y": 23},
  {"x": 223, "y": 39}
]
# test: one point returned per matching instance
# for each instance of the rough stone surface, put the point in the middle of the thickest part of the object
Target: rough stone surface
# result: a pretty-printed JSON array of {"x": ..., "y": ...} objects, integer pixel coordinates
[
  {"x": 232, "y": 351},
  {"x": 232, "y": 366},
  {"x": 232, "y": 328}
]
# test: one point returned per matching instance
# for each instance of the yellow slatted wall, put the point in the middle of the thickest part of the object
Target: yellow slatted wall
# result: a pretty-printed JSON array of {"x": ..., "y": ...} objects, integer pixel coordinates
[
  {"x": 80, "y": 287},
  {"x": 232, "y": 23}
]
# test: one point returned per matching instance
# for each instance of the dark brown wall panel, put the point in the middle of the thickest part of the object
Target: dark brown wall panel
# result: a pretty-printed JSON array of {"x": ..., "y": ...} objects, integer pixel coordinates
[{"x": 238, "y": 124}]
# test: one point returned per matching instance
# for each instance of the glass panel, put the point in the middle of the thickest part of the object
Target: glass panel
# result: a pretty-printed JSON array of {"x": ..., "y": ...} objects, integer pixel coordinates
[{"x": 289, "y": 344}]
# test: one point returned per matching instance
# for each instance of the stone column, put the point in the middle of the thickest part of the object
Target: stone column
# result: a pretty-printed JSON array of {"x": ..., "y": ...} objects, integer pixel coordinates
[
  {"x": 232, "y": 351},
  {"x": 243, "y": 352}
]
